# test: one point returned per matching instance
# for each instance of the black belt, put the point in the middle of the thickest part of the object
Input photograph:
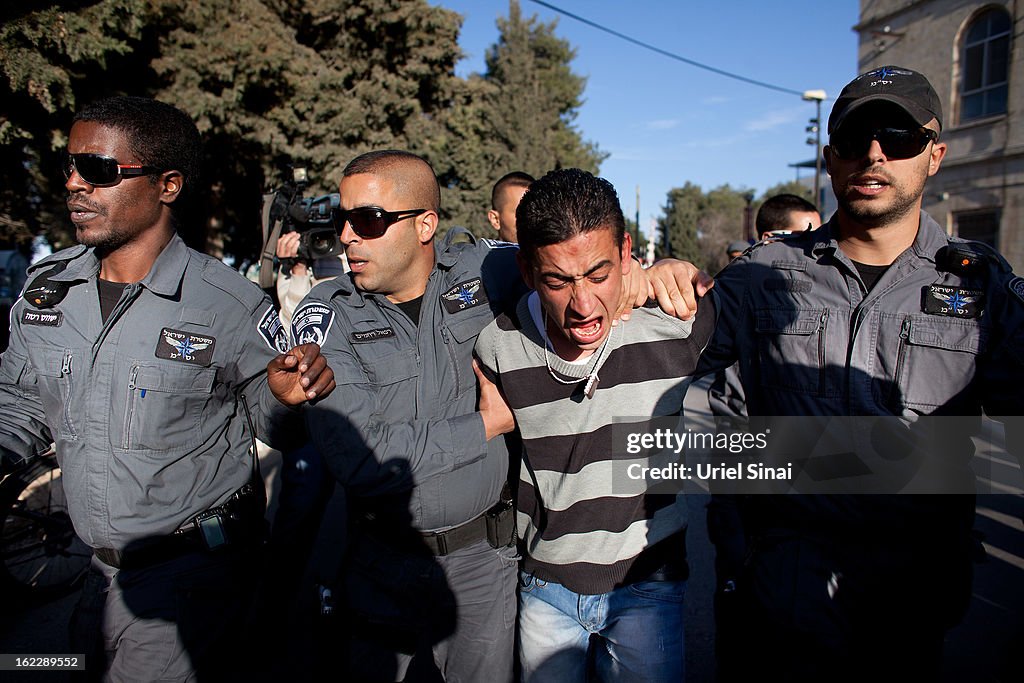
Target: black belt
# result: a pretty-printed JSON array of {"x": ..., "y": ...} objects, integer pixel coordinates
[
  {"x": 235, "y": 522},
  {"x": 181, "y": 542},
  {"x": 496, "y": 526},
  {"x": 456, "y": 538}
]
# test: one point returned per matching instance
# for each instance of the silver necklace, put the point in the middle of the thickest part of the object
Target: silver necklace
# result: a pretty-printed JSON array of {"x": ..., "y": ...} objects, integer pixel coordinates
[{"x": 592, "y": 379}]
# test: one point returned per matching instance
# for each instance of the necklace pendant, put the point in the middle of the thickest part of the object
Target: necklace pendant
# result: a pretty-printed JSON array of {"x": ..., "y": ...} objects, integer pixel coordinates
[{"x": 591, "y": 386}]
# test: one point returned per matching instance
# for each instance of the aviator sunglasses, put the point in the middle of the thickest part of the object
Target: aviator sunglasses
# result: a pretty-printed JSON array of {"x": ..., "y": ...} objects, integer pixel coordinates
[
  {"x": 896, "y": 143},
  {"x": 100, "y": 170},
  {"x": 370, "y": 222}
]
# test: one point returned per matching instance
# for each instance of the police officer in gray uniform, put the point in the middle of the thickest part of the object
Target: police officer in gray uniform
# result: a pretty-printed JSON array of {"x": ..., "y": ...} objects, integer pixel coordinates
[
  {"x": 876, "y": 313},
  {"x": 141, "y": 359},
  {"x": 431, "y": 531}
]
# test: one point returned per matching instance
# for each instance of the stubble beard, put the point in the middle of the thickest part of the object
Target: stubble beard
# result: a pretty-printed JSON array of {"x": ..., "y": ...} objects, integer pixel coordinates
[
  {"x": 104, "y": 242},
  {"x": 873, "y": 214}
]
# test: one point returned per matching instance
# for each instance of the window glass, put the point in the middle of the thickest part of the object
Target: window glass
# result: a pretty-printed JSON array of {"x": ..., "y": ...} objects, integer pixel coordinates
[{"x": 985, "y": 66}]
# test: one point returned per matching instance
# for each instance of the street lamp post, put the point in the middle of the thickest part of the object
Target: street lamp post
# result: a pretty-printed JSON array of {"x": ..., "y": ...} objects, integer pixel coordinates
[
  {"x": 748, "y": 217},
  {"x": 816, "y": 96}
]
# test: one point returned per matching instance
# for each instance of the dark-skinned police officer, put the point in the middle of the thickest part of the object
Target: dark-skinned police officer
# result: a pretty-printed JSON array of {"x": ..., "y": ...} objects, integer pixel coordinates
[{"x": 142, "y": 359}]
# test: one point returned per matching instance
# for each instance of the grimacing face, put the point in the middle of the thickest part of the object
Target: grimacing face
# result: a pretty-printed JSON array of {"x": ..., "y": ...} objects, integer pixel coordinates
[
  {"x": 579, "y": 283},
  {"x": 110, "y": 217}
]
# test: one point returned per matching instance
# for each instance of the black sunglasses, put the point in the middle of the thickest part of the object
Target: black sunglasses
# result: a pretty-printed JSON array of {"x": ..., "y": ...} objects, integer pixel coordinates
[
  {"x": 100, "y": 170},
  {"x": 370, "y": 222},
  {"x": 896, "y": 143}
]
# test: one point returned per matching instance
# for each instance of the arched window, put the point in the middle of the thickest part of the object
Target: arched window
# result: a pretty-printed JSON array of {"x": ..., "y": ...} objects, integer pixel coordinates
[{"x": 985, "y": 65}]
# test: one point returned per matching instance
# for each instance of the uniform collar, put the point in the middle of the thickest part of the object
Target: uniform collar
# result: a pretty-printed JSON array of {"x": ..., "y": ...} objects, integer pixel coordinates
[
  {"x": 164, "y": 278},
  {"x": 347, "y": 288},
  {"x": 445, "y": 256},
  {"x": 929, "y": 240}
]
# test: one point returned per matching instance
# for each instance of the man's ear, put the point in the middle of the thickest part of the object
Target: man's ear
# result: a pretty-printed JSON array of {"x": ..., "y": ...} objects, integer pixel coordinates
[
  {"x": 426, "y": 226},
  {"x": 626, "y": 253},
  {"x": 936, "y": 155},
  {"x": 492, "y": 218},
  {"x": 525, "y": 269},
  {"x": 171, "y": 184},
  {"x": 826, "y": 154}
]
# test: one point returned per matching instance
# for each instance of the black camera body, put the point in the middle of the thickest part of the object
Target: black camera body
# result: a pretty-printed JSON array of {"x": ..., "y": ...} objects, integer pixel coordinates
[{"x": 314, "y": 219}]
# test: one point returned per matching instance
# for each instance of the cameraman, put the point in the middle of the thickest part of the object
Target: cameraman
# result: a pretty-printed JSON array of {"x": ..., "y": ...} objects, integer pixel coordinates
[{"x": 296, "y": 278}]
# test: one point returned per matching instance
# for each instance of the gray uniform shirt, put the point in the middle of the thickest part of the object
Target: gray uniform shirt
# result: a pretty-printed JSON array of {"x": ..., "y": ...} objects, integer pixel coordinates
[
  {"x": 811, "y": 341},
  {"x": 403, "y": 418},
  {"x": 145, "y": 408}
]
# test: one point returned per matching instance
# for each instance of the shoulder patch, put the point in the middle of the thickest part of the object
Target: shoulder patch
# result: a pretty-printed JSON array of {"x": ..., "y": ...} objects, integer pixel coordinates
[
  {"x": 498, "y": 244},
  {"x": 467, "y": 294},
  {"x": 272, "y": 331},
  {"x": 311, "y": 323},
  {"x": 1016, "y": 287}
]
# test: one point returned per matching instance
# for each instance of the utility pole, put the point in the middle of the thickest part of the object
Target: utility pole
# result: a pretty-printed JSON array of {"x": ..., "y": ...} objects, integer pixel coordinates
[
  {"x": 816, "y": 96},
  {"x": 748, "y": 217}
]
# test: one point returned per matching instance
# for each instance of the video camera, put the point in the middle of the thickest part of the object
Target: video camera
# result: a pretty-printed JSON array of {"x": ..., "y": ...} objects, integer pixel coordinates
[{"x": 313, "y": 217}]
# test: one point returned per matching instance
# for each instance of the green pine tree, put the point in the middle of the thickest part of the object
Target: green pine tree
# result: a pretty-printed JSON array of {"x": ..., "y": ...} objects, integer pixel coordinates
[
  {"x": 677, "y": 228},
  {"x": 519, "y": 115}
]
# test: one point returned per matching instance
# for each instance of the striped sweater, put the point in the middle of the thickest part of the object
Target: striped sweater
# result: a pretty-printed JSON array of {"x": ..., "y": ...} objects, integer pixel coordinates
[{"x": 579, "y": 528}]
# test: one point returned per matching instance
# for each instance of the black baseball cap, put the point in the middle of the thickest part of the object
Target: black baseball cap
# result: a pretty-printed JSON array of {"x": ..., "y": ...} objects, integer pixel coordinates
[{"x": 907, "y": 89}]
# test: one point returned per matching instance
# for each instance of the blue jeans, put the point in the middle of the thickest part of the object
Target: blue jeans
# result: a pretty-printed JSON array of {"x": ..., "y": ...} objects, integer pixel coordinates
[{"x": 633, "y": 633}]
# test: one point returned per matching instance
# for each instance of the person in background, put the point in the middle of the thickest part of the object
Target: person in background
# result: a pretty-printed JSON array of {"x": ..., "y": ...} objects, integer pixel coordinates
[
  {"x": 734, "y": 249},
  {"x": 784, "y": 214},
  {"x": 505, "y": 196}
]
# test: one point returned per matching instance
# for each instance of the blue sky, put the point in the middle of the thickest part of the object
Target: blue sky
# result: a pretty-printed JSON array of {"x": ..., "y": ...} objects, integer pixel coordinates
[{"x": 664, "y": 122}]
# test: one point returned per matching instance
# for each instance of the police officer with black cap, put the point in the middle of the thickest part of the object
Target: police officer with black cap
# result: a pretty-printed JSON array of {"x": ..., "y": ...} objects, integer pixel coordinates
[
  {"x": 877, "y": 313},
  {"x": 152, "y": 368}
]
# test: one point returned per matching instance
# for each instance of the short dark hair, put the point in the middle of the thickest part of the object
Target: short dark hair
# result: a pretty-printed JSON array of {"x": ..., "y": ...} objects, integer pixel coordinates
[
  {"x": 566, "y": 203},
  {"x": 160, "y": 134},
  {"x": 422, "y": 187},
  {"x": 513, "y": 179},
  {"x": 774, "y": 212}
]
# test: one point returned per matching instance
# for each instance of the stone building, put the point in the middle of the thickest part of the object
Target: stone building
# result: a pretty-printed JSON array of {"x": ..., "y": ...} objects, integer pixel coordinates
[{"x": 967, "y": 51}]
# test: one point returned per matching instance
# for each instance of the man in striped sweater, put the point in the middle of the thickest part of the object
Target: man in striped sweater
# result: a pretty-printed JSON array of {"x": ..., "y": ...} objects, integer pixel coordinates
[{"x": 598, "y": 560}]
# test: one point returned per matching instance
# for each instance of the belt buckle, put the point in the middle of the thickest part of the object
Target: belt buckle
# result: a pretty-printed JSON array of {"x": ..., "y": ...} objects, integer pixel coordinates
[{"x": 441, "y": 539}]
